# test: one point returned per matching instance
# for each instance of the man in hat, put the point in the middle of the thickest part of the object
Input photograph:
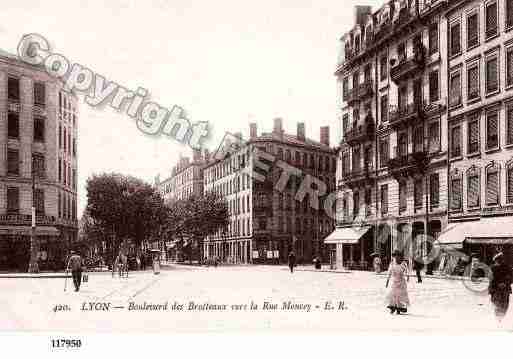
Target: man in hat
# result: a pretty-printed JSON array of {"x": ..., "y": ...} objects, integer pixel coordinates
[
  {"x": 75, "y": 264},
  {"x": 499, "y": 287},
  {"x": 292, "y": 261}
]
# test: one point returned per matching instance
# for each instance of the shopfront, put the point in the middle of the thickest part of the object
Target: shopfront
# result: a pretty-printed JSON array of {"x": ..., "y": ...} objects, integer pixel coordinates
[{"x": 351, "y": 247}]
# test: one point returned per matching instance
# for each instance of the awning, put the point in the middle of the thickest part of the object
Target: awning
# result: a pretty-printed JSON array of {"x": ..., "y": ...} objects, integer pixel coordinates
[
  {"x": 493, "y": 230},
  {"x": 346, "y": 235},
  {"x": 26, "y": 230}
]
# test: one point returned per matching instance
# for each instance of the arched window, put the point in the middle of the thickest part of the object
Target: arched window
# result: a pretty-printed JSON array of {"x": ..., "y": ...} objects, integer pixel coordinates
[
  {"x": 492, "y": 184},
  {"x": 473, "y": 187}
]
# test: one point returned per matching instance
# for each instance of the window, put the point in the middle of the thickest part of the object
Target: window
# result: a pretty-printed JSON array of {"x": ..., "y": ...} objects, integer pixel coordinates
[
  {"x": 38, "y": 165},
  {"x": 402, "y": 98},
  {"x": 13, "y": 162},
  {"x": 60, "y": 136},
  {"x": 59, "y": 197},
  {"x": 473, "y": 135},
  {"x": 60, "y": 170},
  {"x": 418, "y": 193},
  {"x": 13, "y": 126},
  {"x": 456, "y": 141},
  {"x": 492, "y": 186},
  {"x": 383, "y": 152},
  {"x": 492, "y": 130},
  {"x": 491, "y": 19},
  {"x": 509, "y": 185},
  {"x": 401, "y": 52},
  {"x": 367, "y": 74},
  {"x": 345, "y": 125},
  {"x": 356, "y": 159},
  {"x": 434, "y": 137},
  {"x": 455, "y": 39},
  {"x": 473, "y": 81},
  {"x": 456, "y": 197},
  {"x": 39, "y": 129},
  {"x": 356, "y": 203},
  {"x": 39, "y": 93},
  {"x": 509, "y": 124},
  {"x": 384, "y": 198},
  {"x": 384, "y": 108},
  {"x": 383, "y": 68},
  {"x": 356, "y": 81},
  {"x": 13, "y": 200},
  {"x": 509, "y": 13},
  {"x": 472, "y": 30},
  {"x": 492, "y": 76},
  {"x": 418, "y": 139},
  {"x": 402, "y": 196},
  {"x": 433, "y": 38},
  {"x": 473, "y": 187},
  {"x": 433, "y": 86},
  {"x": 345, "y": 88},
  {"x": 39, "y": 201},
  {"x": 509, "y": 66},
  {"x": 13, "y": 89},
  {"x": 434, "y": 190},
  {"x": 455, "y": 98},
  {"x": 367, "y": 199}
]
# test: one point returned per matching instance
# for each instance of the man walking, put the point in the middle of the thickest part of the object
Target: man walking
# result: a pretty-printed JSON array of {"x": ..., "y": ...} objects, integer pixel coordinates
[
  {"x": 292, "y": 261},
  {"x": 75, "y": 264},
  {"x": 499, "y": 287}
]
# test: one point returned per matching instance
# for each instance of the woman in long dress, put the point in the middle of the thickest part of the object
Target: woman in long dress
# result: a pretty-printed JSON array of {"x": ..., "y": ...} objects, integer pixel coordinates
[{"x": 397, "y": 299}]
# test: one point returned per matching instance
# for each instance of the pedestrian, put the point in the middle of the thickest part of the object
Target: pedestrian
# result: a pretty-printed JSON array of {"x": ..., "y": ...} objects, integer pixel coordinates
[
  {"x": 417, "y": 266},
  {"x": 397, "y": 298},
  {"x": 499, "y": 287},
  {"x": 75, "y": 263},
  {"x": 292, "y": 261},
  {"x": 377, "y": 264}
]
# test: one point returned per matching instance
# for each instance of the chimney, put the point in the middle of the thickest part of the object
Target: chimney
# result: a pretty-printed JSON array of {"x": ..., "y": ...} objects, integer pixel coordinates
[
  {"x": 325, "y": 135},
  {"x": 301, "y": 131},
  {"x": 361, "y": 12},
  {"x": 253, "y": 130},
  {"x": 278, "y": 126}
]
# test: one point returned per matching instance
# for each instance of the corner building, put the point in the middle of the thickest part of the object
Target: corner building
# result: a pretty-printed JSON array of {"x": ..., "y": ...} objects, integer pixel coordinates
[
  {"x": 392, "y": 160},
  {"x": 38, "y": 142},
  {"x": 266, "y": 223}
]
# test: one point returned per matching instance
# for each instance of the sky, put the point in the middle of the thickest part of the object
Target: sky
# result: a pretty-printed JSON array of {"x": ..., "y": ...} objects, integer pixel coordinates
[{"x": 228, "y": 62}]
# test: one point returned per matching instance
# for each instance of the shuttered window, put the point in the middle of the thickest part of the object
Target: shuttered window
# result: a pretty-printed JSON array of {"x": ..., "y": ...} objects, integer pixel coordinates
[
  {"x": 509, "y": 67},
  {"x": 492, "y": 187},
  {"x": 356, "y": 203},
  {"x": 402, "y": 196},
  {"x": 13, "y": 125},
  {"x": 356, "y": 160},
  {"x": 13, "y": 200},
  {"x": 455, "y": 39},
  {"x": 434, "y": 190},
  {"x": 455, "y": 98},
  {"x": 492, "y": 130},
  {"x": 384, "y": 199},
  {"x": 472, "y": 30},
  {"x": 433, "y": 86},
  {"x": 456, "y": 197},
  {"x": 384, "y": 108},
  {"x": 434, "y": 137},
  {"x": 13, "y": 162},
  {"x": 383, "y": 152},
  {"x": 473, "y": 136},
  {"x": 509, "y": 13},
  {"x": 418, "y": 139},
  {"x": 473, "y": 82},
  {"x": 492, "y": 77},
  {"x": 433, "y": 38},
  {"x": 418, "y": 193},
  {"x": 491, "y": 20},
  {"x": 473, "y": 190},
  {"x": 13, "y": 89},
  {"x": 509, "y": 124},
  {"x": 39, "y": 201},
  {"x": 509, "y": 194},
  {"x": 456, "y": 141},
  {"x": 39, "y": 93},
  {"x": 38, "y": 165}
]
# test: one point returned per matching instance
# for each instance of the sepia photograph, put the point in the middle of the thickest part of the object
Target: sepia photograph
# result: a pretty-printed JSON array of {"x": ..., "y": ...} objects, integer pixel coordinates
[{"x": 275, "y": 167}]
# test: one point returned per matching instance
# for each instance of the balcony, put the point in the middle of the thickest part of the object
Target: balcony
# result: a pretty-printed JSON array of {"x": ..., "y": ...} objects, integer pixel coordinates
[
  {"x": 408, "y": 67},
  {"x": 359, "y": 93},
  {"x": 408, "y": 164},
  {"x": 25, "y": 219},
  {"x": 360, "y": 133},
  {"x": 401, "y": 117},
  {"x": 359, "y": 177}
]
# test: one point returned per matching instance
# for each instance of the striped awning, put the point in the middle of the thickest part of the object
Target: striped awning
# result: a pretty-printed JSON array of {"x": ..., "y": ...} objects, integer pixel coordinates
[
  {"x": 26, "y": 230},
  {"x": 347, "y": 235},
  {"x": 493, "y": 230}
]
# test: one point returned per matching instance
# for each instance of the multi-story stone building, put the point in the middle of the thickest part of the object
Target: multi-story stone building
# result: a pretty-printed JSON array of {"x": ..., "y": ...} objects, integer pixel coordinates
[
  {"x": 38, "y": 145},
  {"x": 480, "y": 127},
  {"x": 263, "y": 181},
  {"x": 393, "y": 153},
  {"x": 186, "y": 179}
]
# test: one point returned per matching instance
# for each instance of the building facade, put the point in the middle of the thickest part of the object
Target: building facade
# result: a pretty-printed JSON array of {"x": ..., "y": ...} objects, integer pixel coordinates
[
  {"x": 392, "y": 171},
  {"x": 38, "y": 165},
  {"x": 264, "y": 181}
]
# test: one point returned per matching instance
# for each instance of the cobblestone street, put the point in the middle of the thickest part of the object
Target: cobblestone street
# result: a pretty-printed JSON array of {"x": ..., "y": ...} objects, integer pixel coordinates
[{"x": 437, "y": 304}]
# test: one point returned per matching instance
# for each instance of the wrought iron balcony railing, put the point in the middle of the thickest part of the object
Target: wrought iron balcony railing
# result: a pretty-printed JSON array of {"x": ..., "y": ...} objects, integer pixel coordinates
[{"x": 403, "y": 116}]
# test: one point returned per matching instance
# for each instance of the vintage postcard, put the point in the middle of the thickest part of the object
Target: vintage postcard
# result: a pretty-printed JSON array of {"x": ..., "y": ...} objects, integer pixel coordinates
[{"x": 193, "y": 166}]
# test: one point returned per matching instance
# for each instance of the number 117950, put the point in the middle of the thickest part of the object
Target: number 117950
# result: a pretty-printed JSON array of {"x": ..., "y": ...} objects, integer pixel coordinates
[{"x": 66, "y": 343}]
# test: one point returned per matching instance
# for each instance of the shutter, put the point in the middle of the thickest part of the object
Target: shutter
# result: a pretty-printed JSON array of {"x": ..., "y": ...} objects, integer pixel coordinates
[
  {"x": 455, "y": 98},
  {"x": 510, "y": 184},
  {"x": 509, "y": 13},
  {"x": 456, "y": 194},
  {"x": 418, "y": 193},
  {"x": 509, "y": 67},
  {"x": 455, "y": 39},
  {"x": 509, "y": 125},
  {"x": 433, "y": 86},
  {"x": 473, "y": 191},
  {"x": 491, "y": 20},
  {"x": 492, "y": 188},
  {"x": 491, "y": 131},
  {"x": 491, "y": 75},
  {"x": 473, "y": 83},
  {"x": 473, "y": 137},
  {"x": 472, "y": 34},
  {"x": 434, "y": 189}
]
